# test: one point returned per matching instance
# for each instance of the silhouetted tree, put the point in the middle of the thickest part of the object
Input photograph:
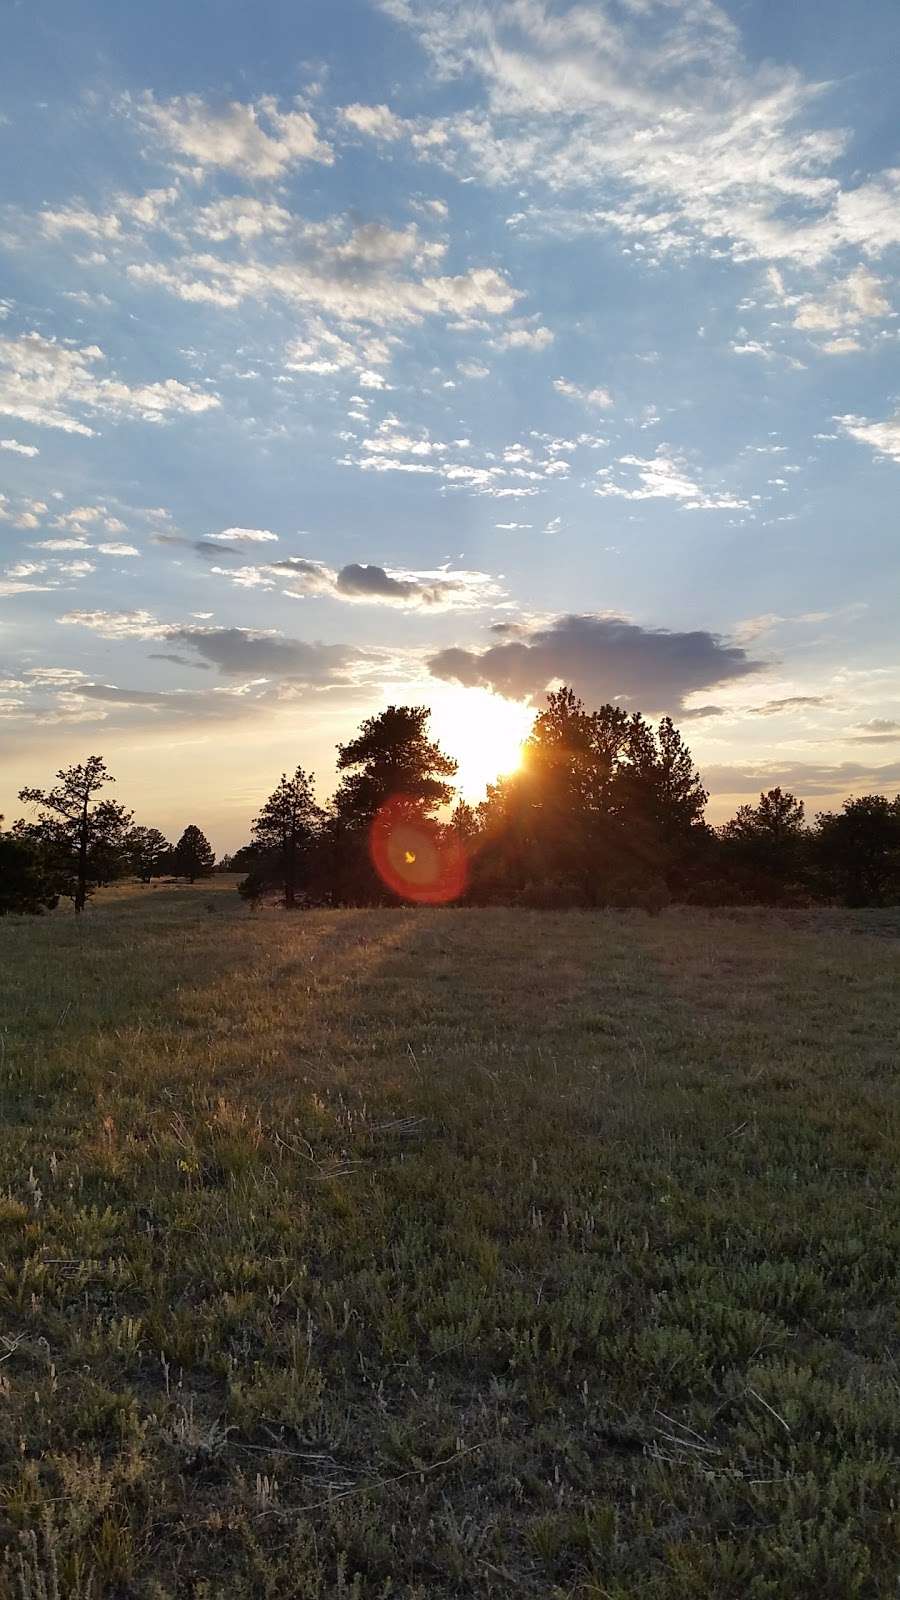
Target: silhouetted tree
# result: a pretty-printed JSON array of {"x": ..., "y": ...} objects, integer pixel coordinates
[
  {"x": 72, "y": 823},
  {"x": 148, "y": 853},
  {"x": 391, "y": 758},
  {"x": 463, "y": 824},
  {"x": 285, "y": 833},
  {"x": 25, "y": 883},
  {"x": 193, "y": 856},
  {"x": 859, "y": 848},
  {"x": 766, "y": 843},
  {"x": 603, "y": 810}
]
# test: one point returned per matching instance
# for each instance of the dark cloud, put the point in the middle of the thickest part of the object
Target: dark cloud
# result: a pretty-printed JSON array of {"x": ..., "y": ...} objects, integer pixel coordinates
[
  {"x": 239, "y": 652},
  {"x": 879, "y": 730},
  {"x": 180, "y": 661},
  {"x": 771, "y": 708},
  {"x": 697, "y": 712},
  {"x": 805, "y": 778},
  {"x": 370, "y": 582},
  {"x": 299, "y": 565},
  {"x": 210, "y": 549},
  {"x": 603, "y": 658},
  {"x": 177, "y": 701}
]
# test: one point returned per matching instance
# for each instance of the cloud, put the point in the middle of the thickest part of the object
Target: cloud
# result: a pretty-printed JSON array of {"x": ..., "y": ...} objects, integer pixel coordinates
[
  {"x": 603, "y": 658},
  {"x": 117, "y": 549},
  {"x": 240, "y": 217},
  {"x": 19, "y": 449},
  {"x": 177, "y": 660},
  {"x": 439, "y": 590},
  {"x": 368, "y": 282},
  {"x": 658, "y": 106},
  {"x": 244, "y": 536},
  {"x": 376, "y": 122},
  {"x": 774, "y": 708},
  {"x": 600, "y": 398},
  {"x": 846, "y": 303},
  {"x": 665, "y": 476},
  {"x": 882, "y": 437},
  {"x": 255, "y": 139},
  {"x": 243, "y": 652},
  {"x": 879, "y": 730},
  {"x": 802, "y": 777},
  {"x": 117, "y": 624},
  {"x": 323, "y": 351},
  {"x": 524, "y": 338},
  {"x": 236, "y": 652},
  {"x": 44, "y": 382}
]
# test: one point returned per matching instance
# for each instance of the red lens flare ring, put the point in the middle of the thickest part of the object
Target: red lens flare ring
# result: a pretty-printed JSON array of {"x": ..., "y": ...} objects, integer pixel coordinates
[{"x": 414, "y": 857}]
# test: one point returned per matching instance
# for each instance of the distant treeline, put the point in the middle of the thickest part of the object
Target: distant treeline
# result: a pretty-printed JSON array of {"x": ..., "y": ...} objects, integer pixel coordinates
[{"x": 605, "y": 810}]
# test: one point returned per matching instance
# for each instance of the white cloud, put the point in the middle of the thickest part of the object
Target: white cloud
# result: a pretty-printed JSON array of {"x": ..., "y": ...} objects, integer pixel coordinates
[
  {"x": 118, "y": 550},
  {"x": 882, "y": 437},
  {"x": 44, "y": 382},
  {"x": 240, "y": 217},
  {"x": 473, "y": 369},
  {"x": 665, "y": 476},
  {"x": 377, "y": 122},
  {"x": 19, "y": 449},
  {"x": 843, "y": 346},
  {"x": 523, "y": 339},
  {"x": 256, "y": 140},
  {"x": 600, "y": 398},
  {"x": 118, "y": 624},
  {"x": 62, "y": 544},
  {"x": 658, "y": 101},
  {"x": 245, "y": 536}
]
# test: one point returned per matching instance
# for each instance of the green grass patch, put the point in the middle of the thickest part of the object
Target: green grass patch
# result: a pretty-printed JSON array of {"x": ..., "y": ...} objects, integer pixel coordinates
[{"x": 448, "y": 1253}]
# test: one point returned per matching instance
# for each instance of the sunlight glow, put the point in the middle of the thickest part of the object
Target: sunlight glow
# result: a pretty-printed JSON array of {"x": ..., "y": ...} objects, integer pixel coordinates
[{"x": 483, "y": 731}]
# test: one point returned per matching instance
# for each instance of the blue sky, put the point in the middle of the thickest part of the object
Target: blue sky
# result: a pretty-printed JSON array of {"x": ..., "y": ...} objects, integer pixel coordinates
[{"x": 441, "y": 350}]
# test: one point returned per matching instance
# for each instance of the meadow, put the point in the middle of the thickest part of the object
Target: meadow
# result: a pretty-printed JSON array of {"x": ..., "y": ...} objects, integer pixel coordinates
[{"x": 432, "y": 1253}]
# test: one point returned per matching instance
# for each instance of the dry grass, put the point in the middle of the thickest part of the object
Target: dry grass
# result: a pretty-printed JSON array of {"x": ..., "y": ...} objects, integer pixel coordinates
[{"x": 470, "y": 1253}]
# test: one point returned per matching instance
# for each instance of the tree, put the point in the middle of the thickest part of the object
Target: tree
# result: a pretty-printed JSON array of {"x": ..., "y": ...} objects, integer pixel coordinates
[
  {"x": 392, "y": 756},
  {"x": 285, "y": 832},
  {"x": 73, "y": 823},
  {"x": 463, "y": 824},
  {"x": 25, "y": 883},
  {"x": 147, "y": 852},
  {"x": 193, "y": 856},
  {"x": 766, "y": 841},
  {"x": 392, "y": 759},
  {"x": 603, "y": 810},
  {"x": 859, "y": 847}
]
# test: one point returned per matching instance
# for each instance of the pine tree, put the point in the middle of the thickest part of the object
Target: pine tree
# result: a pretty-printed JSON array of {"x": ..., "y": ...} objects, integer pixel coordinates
[
  {"x": 392, "y": 757},
  {"x": 193, "y": 856},
  {"x": 286, "y": 829},
  {"x": 147, "y": 852},
  {"x": 72, "y": 822}
]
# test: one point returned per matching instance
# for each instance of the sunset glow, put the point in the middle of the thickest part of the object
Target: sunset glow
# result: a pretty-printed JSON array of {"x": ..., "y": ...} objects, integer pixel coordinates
[{"x": 482, "y": 731}]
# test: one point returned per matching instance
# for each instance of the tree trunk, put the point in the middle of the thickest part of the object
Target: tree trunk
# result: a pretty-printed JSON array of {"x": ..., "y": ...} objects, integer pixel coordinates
[
  {"x": 81, "y": 885},
  {"x": 290, "y": 871}
]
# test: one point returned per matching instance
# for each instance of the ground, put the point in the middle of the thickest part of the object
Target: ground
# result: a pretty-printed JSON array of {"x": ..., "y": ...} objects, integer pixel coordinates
[{"x": 448, "y": 1253}]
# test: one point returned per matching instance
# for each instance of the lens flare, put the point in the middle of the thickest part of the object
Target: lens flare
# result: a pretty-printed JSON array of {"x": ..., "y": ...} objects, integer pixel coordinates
[{"x": 415, "y": 858}]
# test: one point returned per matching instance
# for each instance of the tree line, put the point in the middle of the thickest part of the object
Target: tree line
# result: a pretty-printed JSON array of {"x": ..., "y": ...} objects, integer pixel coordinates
[{"x": 606, "y": 809}]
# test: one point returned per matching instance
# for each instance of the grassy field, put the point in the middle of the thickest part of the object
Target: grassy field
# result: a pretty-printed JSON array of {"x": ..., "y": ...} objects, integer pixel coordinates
[{"x": 448, "y": 1253}]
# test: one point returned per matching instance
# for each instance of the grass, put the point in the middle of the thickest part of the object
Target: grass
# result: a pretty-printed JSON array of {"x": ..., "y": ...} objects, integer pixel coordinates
[{"x": 453, "y": 1253}]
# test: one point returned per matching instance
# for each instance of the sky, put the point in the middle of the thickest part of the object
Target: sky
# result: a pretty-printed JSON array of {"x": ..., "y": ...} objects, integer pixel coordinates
[{"x": 441, "y": 351}]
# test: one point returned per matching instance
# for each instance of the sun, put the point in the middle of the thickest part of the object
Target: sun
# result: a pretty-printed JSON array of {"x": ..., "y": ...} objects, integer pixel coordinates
[{"x": 482, "y": 731}]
